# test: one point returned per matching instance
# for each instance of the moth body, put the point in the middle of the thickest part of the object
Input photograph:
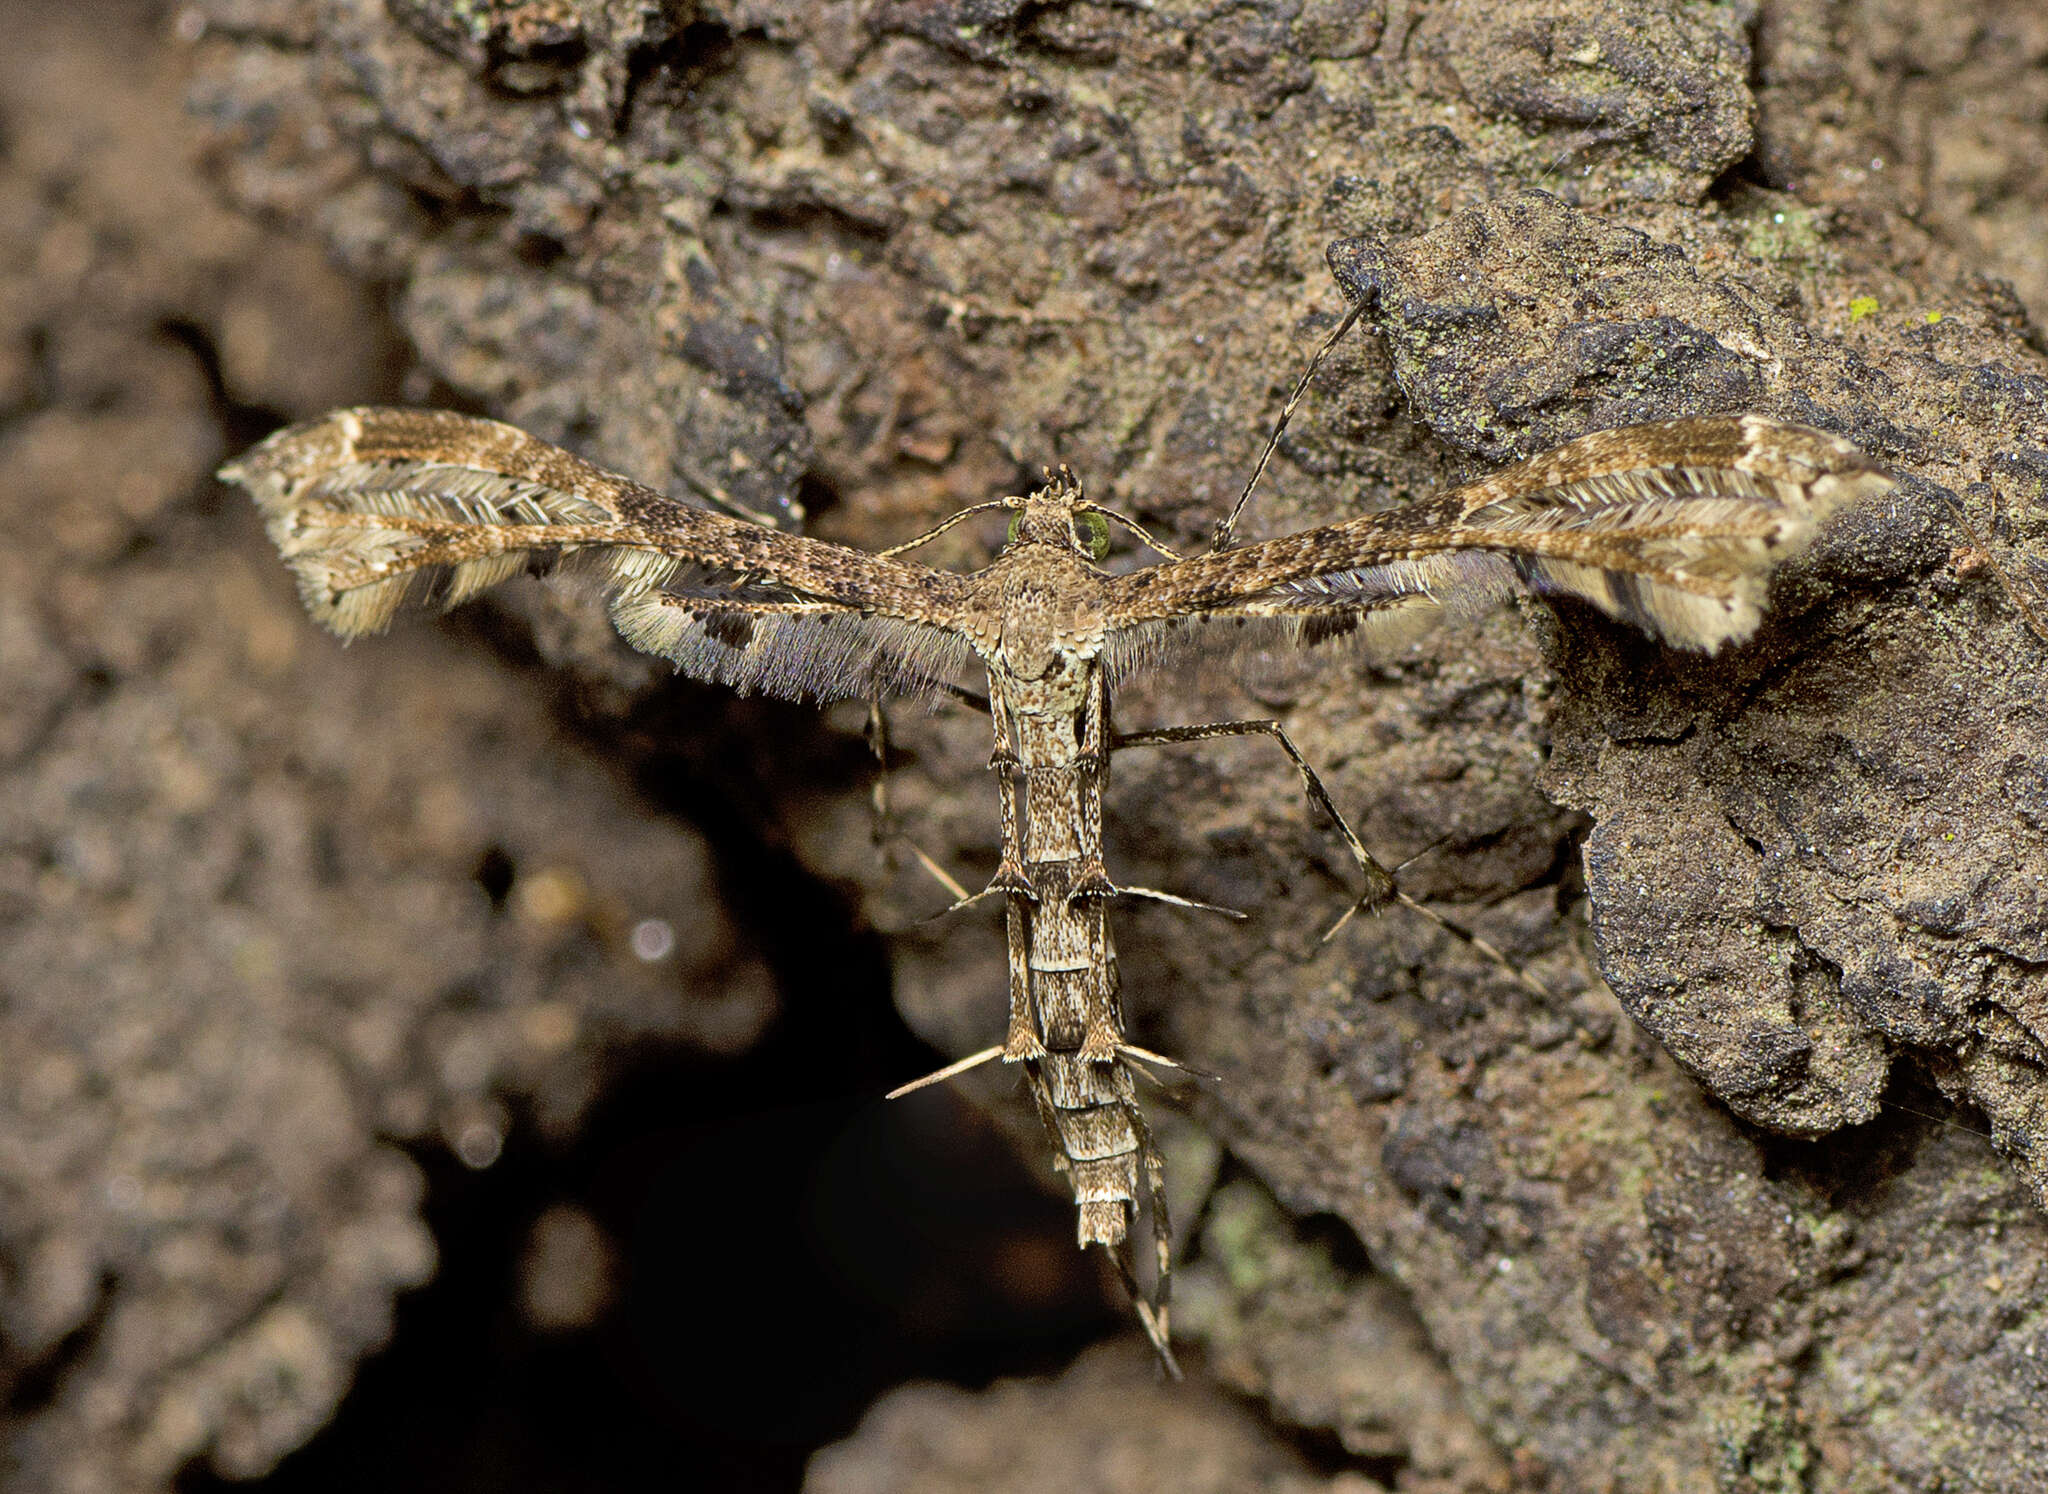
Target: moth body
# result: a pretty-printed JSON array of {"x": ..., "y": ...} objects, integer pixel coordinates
[{"x": 1049, "y": 705}]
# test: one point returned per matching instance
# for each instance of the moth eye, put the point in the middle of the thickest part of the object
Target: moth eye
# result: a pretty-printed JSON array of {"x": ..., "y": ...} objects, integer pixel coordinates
[
  {"x": 1016, "y": 528},
  {"x": 1092, "y": 531}
]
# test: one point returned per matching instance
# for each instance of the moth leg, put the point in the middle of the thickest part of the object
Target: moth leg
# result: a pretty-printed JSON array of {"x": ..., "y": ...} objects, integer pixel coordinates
[
  {"x": 1099, "y": 1039},
  {"x": 1151, "y": 1310},
  {"x": 951, "y": 1071},
  {"x": 1380, "y": 887},
  {"x": 1983, "y": 555},
  {"x": 1003, "y": 762},
  {"x": 1379, "y": 882},
  {"x": 883, "y": 828},
  {"x": 1154, "y": 895},
  {"x": 1021, "y": 1042},
  {"x": 1048, "y": 1115},
  {"x": 1154, "y": 1168},
  {"x": 1152, "y": 1318},
  {"x": 1464, "y": 936}
]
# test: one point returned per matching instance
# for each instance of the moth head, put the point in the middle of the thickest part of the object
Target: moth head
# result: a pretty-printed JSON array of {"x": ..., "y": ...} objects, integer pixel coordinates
[{"x": 1058, "y": 515}]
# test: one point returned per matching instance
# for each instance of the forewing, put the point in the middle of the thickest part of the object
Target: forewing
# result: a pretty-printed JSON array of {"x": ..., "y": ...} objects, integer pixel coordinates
[
  {"x": 374, "y": 509},
  {"x": 1675, "y": 527}
]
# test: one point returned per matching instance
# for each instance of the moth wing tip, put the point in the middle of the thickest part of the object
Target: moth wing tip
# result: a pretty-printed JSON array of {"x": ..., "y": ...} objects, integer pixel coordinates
[{"x": 1866, "y": 480}]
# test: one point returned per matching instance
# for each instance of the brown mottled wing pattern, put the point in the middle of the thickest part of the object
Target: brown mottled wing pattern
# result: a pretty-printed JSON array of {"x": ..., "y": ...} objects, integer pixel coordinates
[
  {"x": 1674, "y": 527},
  {"x": 376, "y": 508}
]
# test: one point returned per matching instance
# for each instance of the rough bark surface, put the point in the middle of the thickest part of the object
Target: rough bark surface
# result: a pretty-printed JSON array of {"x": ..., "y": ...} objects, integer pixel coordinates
[
  {"x": 1120, "y": 1431},
  {"x": 247, "y": 955},
  {"x": 882, "y": 259}
]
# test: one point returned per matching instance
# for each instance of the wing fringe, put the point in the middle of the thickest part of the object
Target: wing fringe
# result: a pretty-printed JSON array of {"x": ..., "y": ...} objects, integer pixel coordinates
[
  {"x": 378, "y": 510},
  {"x": 1674, "y": 527},
  {"x": 791, "y": 651}
]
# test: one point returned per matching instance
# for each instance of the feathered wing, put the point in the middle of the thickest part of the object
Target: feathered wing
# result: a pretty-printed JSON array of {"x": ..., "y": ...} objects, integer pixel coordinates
[
  {"x": 1675, "y": 527},
  {"x": 375, "y": 508}
]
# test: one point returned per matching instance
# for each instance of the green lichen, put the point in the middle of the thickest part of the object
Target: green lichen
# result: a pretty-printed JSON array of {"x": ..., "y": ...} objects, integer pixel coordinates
[
  {"x": 1253, "y": 1241},
  {"x": 1758, "y": 1446},
  {"x": 1783, "y": 231}
]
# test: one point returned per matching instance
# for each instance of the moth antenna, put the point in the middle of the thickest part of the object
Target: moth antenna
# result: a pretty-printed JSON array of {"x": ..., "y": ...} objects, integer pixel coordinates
[
  {"x": 789, "y": 519},
  {"x": 1551, "y": 170},
  {"x": 1143, "y": 536},
  {"x": 947, "y": 523},
  {"x": 1221, "y": 539}
]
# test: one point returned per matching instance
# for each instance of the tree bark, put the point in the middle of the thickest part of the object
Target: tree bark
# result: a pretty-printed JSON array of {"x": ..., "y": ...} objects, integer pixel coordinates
[{"x": 1716, "y": 1215}]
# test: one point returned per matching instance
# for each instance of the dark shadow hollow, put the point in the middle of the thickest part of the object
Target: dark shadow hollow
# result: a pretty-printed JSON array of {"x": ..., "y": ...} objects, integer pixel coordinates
[{"x": 788, "y": 1245}]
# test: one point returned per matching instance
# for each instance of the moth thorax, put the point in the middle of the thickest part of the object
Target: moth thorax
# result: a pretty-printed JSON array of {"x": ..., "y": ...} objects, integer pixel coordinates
[{"x": 1036, "y": 526}]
